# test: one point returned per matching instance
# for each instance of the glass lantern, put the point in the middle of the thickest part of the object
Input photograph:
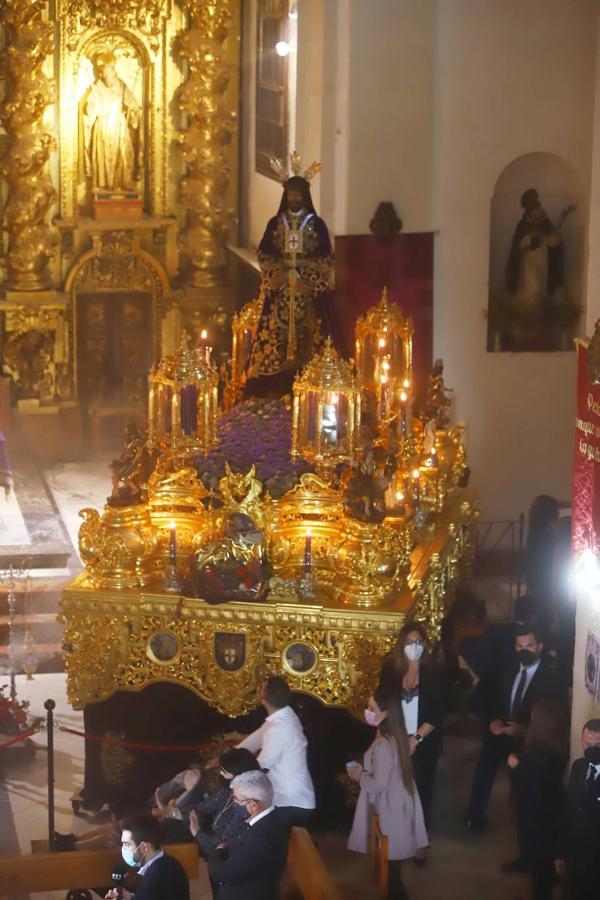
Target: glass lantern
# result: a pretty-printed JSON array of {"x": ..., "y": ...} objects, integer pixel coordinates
[
  {"x": 327, "y": 410},
  {"x": 383, "y": 353},
  {"x": 243, "y": 327},
  {"x": 183, "y": 401}
]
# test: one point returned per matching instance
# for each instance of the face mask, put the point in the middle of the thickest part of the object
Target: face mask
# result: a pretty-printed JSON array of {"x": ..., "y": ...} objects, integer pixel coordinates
[
  {"x": 592, "y": 755},
  {"x": 526, "y": 657},
  {"x": 414, "y": 652},
  {"x": 373, "y": 718},
  {"x": 128, "y": 858},
  {"x": 244, "y": 811}
]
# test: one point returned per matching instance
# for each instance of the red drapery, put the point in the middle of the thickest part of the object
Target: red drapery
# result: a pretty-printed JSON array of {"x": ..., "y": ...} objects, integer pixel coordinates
[{"x": 586, "y": 461}]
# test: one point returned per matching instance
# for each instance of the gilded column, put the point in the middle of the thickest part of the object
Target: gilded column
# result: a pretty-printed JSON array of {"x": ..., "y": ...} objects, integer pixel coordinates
[
  {"x": 210, "y": 125},
  {"x": 29, "y": 241}
]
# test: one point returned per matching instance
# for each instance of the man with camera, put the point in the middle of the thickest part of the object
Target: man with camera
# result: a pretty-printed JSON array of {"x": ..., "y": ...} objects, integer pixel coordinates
[{"x": 162, "y": 877}]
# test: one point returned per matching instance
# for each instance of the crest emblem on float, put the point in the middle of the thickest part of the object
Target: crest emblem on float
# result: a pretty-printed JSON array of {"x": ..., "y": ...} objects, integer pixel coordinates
[{"x": 230, "y": 650}]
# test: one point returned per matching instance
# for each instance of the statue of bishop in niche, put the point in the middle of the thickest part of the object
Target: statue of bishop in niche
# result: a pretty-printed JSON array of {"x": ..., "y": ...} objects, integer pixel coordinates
[{"x": 112, "y": 132}]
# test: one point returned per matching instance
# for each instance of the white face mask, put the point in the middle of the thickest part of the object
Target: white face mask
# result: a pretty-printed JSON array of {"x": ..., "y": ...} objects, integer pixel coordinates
[
  {"x": 128, "y": 858},
  {"x": 414, "y": 652}
]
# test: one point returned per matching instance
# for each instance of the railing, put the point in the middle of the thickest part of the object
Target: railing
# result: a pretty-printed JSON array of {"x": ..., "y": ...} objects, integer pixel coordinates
[{"x": 498, "y": 566}]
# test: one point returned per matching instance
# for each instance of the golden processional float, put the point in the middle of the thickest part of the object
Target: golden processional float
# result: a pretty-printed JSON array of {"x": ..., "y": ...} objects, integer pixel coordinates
[{"x": 212, "y": 579}]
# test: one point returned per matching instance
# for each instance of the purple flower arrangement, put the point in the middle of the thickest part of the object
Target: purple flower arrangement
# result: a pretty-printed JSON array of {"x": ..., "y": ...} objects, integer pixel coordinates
[{"x": 255, "y": 432}]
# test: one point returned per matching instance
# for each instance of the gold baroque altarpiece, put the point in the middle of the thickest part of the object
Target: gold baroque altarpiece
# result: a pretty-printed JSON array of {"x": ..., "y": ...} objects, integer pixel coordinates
[{"x": 176, "y": 65}]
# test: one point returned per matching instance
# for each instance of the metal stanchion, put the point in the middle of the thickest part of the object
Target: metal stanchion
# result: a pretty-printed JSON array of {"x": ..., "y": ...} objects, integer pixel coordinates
[{"x": 49, "y": 707}]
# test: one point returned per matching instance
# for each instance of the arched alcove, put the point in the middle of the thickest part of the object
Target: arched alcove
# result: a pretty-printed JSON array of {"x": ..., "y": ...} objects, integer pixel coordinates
[{"x": 523, "y": 256}]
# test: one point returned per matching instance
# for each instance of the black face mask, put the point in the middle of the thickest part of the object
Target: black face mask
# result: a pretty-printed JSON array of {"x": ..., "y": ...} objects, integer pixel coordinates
[
  {"x": 592, "y": 755},
  {"x": 526, "y": 657}
]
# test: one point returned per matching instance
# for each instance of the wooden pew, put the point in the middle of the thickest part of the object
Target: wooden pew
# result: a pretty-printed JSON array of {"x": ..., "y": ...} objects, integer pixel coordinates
[
  {"x": 42, "y": 872},
  {"x": 379, "y": 856},
  {"x": 86, "y": 868},
  {"x": 308, "y": 869}
]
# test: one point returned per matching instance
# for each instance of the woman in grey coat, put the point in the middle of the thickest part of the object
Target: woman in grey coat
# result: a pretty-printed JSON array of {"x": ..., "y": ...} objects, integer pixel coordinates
[{"x": 387, "y": 788}]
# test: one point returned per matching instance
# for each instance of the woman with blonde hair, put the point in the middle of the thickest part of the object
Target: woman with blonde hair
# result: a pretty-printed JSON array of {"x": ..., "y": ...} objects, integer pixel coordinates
[{"x": 387, "y": 788}]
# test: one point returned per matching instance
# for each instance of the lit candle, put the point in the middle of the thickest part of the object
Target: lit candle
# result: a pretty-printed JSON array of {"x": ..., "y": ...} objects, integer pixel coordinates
[
  {"x": 403, "y": 399},
  {"x": 151, "y": 408},
  {"x": 172, "y": 544},
  {"x": 308, "y": 551},
  {"x": 415, "y": 476},
  {"x": 406, "y": 383},
  {"x": 400, "y": 501},
  {"x": 383, "y": 380}
]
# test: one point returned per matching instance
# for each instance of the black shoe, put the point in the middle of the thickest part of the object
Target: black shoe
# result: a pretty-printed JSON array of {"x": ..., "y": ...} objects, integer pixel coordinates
[
  {"x": 63, "y": 842},
  {"x": 516, "y": 865},
  {"x": 476, "y": 825}
]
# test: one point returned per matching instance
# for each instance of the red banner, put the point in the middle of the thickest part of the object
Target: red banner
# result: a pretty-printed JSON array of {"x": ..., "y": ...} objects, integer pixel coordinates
[{"x": 586, "y": 462}]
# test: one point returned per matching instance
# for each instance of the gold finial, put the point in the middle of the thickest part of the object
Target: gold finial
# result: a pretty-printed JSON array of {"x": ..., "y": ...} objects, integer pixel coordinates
[{"x": 187, "y": 365}]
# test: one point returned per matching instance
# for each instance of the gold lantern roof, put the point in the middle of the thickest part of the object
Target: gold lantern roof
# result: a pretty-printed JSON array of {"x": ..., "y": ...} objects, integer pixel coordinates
[
  {"x": 385, "y": 316},
  {"x": 187, "y": 365},
  {"x": 327, "y": 372}
]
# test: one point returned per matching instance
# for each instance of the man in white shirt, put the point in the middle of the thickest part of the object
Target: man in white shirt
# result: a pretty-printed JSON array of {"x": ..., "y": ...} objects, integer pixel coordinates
[{"x": 282, "y": 745}]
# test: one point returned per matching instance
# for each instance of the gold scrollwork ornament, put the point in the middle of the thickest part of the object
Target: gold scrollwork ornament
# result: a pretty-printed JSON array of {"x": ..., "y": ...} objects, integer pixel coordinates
[
  {"x": 119, "y": 547},
  {"x": 24, "y": 165},
  {"x": 203, "y": 189}
]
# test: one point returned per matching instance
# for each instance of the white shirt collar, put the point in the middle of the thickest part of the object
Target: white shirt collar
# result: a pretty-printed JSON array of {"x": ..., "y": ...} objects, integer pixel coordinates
[
  {"x": 279, "y": 714},
  {"x": 261, "y": 815},
  {"x": 147, "y": 865}
]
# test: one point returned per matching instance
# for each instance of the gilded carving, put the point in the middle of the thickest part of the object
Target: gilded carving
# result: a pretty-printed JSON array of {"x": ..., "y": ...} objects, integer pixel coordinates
[
  {"x": 349, "y": 649},
  {"x": 203, "y": 189},
  {"x": 241, "y": 493},
  {"x": 36, "y": 351},
  {"x": 30, "y": 244},
  {"x": 143, "y": 15},
  {"x": 92, "y": 646},
  {"x": 118, "y": 548}
]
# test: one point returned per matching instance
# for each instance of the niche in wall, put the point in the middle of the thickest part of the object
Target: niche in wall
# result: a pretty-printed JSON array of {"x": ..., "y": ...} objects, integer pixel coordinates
[{"x": 537, "y": 240}]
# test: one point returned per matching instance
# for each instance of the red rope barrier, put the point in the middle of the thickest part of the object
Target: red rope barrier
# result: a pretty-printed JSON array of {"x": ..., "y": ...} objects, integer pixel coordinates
[
  {"x": 19, "y": 737},
  {"x": 135, "y": 745}
]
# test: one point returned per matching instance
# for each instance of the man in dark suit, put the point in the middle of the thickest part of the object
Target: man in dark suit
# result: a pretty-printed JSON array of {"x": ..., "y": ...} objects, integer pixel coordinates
[
  {"x": 162, "y": 876},
  {"x": 507, "y": 716},
  {"x": 251, "y": 869},
  {"x": 579, "y": 849}
]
